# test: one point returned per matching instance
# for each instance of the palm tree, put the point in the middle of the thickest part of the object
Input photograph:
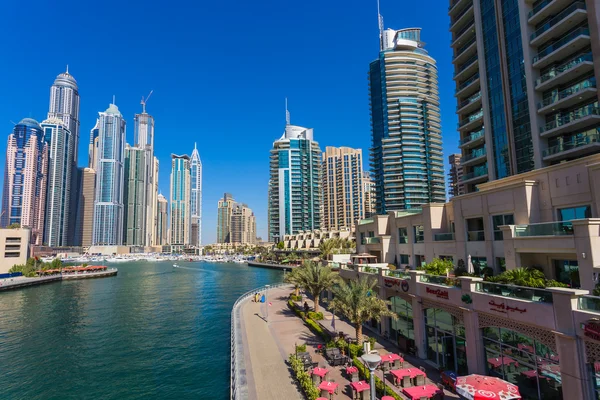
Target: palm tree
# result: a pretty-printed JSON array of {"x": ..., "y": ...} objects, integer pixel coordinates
[
  {"x": 358, "y": 302},
  {"x": 293, "y": 278},
  {"x": 326, "y": 247},
  {"x": 315, "y": 279}
]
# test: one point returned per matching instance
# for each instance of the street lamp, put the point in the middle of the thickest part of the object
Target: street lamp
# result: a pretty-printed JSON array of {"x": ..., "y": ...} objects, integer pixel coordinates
[
  {"x": 267, "y": 300},
  {"x": 372, "y": 360}
]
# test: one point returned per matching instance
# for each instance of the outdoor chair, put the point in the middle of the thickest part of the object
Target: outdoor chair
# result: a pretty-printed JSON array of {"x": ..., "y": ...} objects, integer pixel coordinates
[
  {"x": 423, "y": 398},
  {"x": 420, "y": 380},
  {"x": 406, "y": 382}
]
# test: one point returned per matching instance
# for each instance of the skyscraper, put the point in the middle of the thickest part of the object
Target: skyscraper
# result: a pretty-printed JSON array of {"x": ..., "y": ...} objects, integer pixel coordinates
[
  {"x": 368, "y": 194},
  {"x": 196, "y": 198},
  {"x": 343, "y": 196},
  {"x": 60, "y": 154},
  {"x": 134, "y": 196},
  {"x": 295, "y": 183},
  {"x": 224, "y": 213},
  {"x": 243, "y": 224},
  {"x": 64, "y": 105},
  {"x": 406, "y": 155},
  {"x": 24, "y": 193},
  {"x": 162, "y": 221},
  {"x": 85, "y": 222},
  {"x": 525, "y": 84},
  {"x": 108, "y": 202},
  {"x": 93, "y": 145},
  {"x": 455, "y": 188},
  {"x": 181, "y": 220}
]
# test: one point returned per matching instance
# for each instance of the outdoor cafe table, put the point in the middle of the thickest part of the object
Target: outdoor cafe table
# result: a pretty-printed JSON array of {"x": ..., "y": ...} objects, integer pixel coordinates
[
  {"x": 328, "y": 386},
  {"x": 498, "y": 361},
  {"x": 416, "y": 392},
  {"x": 351, "y": 370},
  {"x": 391, "y": 358},
  {"x": 320, "y": 372},
  {"x": 410, "y": 372},
  {"x": 360, "y": 386}
]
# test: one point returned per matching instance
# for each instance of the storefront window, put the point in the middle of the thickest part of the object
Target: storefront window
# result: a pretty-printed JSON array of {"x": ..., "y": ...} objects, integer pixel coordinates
[
  {"x": 567, "y": 271},
  {"x": 402, "y": 328},
  {"x": 595, "y": 373},
  {"x": 521, "y": 360},
  {"x": 445, "y": 340}
]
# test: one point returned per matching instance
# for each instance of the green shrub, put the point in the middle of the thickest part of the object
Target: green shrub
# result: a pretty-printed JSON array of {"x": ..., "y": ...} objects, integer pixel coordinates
[
  {"x": 437, "y": 267},
  {"x": 372, "y": 341},
  {"x": 379, "y": 384},
  {"x": 553, "y": 283},
  {"x": 312, "y": 325},
  {"x": 301, "y": 348},
  {"x": 293, "y": 297},
  {"x": 354, "y": 350},
  {"x": 310, "y": 390},
  {"x": 315, "y": 316}
]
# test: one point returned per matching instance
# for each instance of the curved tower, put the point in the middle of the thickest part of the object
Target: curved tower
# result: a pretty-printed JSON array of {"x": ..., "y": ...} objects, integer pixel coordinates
[
  {"x": 406, "y": 156},
  {"x": 64, "y": 105},
  {"x": 196, "y": 197}
]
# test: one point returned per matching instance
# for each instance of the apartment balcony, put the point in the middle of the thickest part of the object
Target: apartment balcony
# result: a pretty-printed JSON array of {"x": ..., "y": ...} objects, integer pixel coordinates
[
  {"x": 563, "y": 228},
  {"x": 468, "y": 87},
  {"x": 476, "y": 176},
  {"x": 563, "y": 73},
  {"x": 461, "y": 18},
  {"x": 467, "y": 68},
  {"x": 463, "y": 35},
  {"x": 471, "y": 122},
  {"x": 571, "y": 122},
  {"x": 578, "y": 147},
  {"x": 560, "y": 23},
  {"x": 569, "y": 97},
  {"x": 474, "y": 157},
  {"x": 573, "y": 42},
  {"x": 442, "y": 237},
  {"x": 474, "y": 139},
  {"x": 456, "y": 5},
  {"x": 475, "y": 236},
  {"x": 546, "y": 9},
  {"x": 371, "y": 240},
  {"x": 470, "y": 104},
  {"x": 465, "y": 52}
]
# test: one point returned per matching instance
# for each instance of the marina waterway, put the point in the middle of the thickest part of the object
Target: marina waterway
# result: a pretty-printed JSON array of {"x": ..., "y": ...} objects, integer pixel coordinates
[{"x": 151, "y": 332}]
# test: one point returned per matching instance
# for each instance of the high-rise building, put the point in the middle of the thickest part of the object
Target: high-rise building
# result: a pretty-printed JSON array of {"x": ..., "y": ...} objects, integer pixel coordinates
[
  {"x": 295, "y": 183},
  {"x": 525, "y": 84},
  {"x": 58, "y": 192},
  {"x": 93, "y": 145},
  {"x": 152, "y": 205},
  {"x": 24, "y": 192},
  {"x": 108, "y": 201},
  {"x": 181, "y": 220},
  {"x": 343, "y": 196},
  {"x": 368, "y": 194},
  {"x": 406, "y": 156},
  {"x": 224, "y": 213},
  {"x": 85, "y": 223},
  {"x": 162, "y": 221},
  {"x": 196, "y": 198},
  {"x": 455, "y": 188},
  {"x": 243, "y": 225},
  {"x": 134, "y": 196},
  {"x": 64, "y": 105}
]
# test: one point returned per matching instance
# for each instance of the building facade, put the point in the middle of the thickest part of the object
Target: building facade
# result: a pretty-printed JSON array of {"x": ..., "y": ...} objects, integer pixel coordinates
[
  {"x": 85, "y": 223},
  {"x": 243, "y": 225},
  {"x": 224, "y": 213},
  {"x": 406, "y": 155},
  {"x": 181, "y": 218},
  {"x": 162, "y": 221},
  {"x": 58, "y": 192},
  {"x": 343, "y": 201},
  {"x": 525, "y": 72},
  {"x": 294, "y": 184},
  {"x": 196, "y": 197},
  {"x": 368, "y": 194},
  {"x": 25, "y": 177},
  {"x": 93, "y": 145},
  {"x": 134, "y": 199},
  {"x": 455, "y": 187},
  {"x": 108, "y": 201},
  {"x": 15, "y": 247}
]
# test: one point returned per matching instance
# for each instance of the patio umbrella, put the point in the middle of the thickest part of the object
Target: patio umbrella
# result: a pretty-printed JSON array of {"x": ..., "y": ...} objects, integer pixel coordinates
[
  {"x": 478, "y": 387},
  {"x": 470, "y": 268}
]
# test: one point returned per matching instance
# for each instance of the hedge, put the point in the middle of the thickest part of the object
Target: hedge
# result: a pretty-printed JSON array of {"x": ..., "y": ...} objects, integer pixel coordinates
[
  {"x": 312, "y": 325},
  {"x": 303, "y": 377},
  {"x": 366, "y": 375}
]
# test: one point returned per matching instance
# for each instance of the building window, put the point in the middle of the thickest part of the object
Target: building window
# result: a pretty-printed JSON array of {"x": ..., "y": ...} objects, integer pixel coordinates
[
  {"x": 567, "y": 271},
  {"x": 500, "y": 264},
  {"x": 499, "y": 220},
  {"x": 479, "y": 263},
  {"x": 419, "y": 260},
  {"x": 404, "y": 259},
  {"x": 514, "y": 357},
  {"x": 567, "y": 214},
  {"x": 419, "y": 233},
  {"x": 402, "y": 235},
  {"x": 402, "y": 327},
  {"x": 475, "y": 232},
  {"x": 371, "y": 234},
  {"x": 362, "y": 237},
  {"x": 445, "y": 340}
]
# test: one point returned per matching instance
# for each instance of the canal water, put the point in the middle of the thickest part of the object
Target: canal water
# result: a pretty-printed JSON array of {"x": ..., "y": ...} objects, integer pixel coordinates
[{"x": 151, "y": 332}]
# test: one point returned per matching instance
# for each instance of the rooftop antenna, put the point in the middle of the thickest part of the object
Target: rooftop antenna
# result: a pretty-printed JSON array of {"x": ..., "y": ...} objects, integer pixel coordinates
[
  {"x": 144, "y": 101},
  {"x": 113, "y": 99},
  {"x": 67, "y": 69},
  {"x": 380, "y": 23},
  {"x": 287, "y": 113}
]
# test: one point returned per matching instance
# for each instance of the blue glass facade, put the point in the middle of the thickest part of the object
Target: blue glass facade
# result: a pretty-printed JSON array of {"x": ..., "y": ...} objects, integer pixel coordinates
[{"x": 379, "y": 127}]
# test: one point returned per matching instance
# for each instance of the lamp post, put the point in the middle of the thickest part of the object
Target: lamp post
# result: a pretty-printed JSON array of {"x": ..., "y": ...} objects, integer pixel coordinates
[
  {"x": 372, "y": 360},
  {"x": 267, "y": 300}
]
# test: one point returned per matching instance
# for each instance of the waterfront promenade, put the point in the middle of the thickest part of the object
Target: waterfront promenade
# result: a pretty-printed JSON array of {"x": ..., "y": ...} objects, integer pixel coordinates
[{"x": 267, "y": 345}]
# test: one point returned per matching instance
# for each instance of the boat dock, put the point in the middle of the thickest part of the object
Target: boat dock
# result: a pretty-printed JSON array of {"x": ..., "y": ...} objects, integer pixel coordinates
[
  {"x": 55, "y": 276},
  {"x": 20, "y": 282}
]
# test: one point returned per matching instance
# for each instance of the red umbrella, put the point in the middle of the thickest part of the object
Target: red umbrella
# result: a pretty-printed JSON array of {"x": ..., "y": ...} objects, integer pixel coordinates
[{"x": 478, "y": 387}]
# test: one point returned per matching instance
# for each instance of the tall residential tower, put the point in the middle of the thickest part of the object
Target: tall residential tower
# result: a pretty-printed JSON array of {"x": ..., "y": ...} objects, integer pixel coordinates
[
  {"x": 406, "y": 154},
  {"x": 224, "y": 213},
  {"x": 181, "y": 218},
  {"x": 196, "y": 197}
]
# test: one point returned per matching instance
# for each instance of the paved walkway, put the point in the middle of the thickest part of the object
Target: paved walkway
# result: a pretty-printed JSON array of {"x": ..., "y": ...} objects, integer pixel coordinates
[{"x": 267, "y": 345}]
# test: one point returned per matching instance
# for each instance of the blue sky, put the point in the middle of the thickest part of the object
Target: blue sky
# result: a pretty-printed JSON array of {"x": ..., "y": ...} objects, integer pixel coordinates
[{"x": 220, "y": 71}]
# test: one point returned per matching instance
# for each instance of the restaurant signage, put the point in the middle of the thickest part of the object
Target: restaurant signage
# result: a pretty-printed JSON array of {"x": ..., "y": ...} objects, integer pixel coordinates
[
  {"x": 505, "y": 308},
  {"x": 591, "y": 329},
  {"x": 442, "y": 294},
  {"x": 390, "y": 283}
]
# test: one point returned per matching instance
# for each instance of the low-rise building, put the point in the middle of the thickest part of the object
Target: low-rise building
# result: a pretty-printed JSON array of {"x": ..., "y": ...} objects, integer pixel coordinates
[
  {"x": 312, "y": 239},
  {"x": 15, "y": 247}
]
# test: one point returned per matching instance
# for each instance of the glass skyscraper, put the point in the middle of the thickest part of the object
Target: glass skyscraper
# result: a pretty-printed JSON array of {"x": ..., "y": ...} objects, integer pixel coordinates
[
  {"x": 134, "y": 196},
  {"x": 295, "y": 183},
  {"x": 108, "y": 203},
  {"x": 406, "y": 154},
  {"x": 180, "y": 214},
  {"x": 196, "y": 197}
]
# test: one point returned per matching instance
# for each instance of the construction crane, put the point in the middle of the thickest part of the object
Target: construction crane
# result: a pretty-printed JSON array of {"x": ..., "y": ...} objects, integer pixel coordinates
[{"x": 144, "y": 101}]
